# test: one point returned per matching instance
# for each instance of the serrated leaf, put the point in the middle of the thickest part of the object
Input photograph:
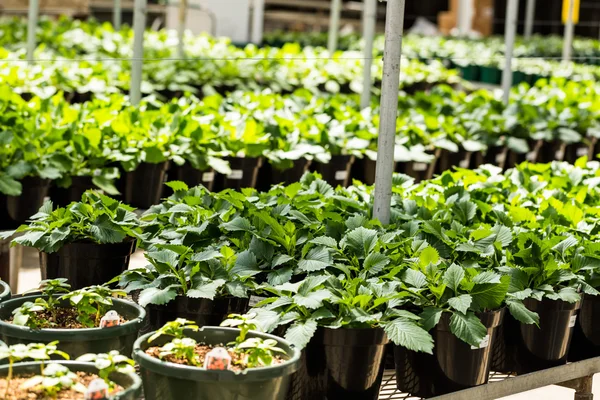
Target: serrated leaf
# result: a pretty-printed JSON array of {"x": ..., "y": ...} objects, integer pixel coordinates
[
  {"x": 312, "y": 300},
  {"x": 522, "y": 313},
  {"x": 237, "y": 224},
  {"x": 10, "y": 186},
  {"x": 360, "y": 240},
  {"x": 325, "y": 241},
  {"x": 490, "y": 296},
  {"x": 453, "y": 276},
  {"x": 206, "y": 290},
  {"x": 431, "y": 317},
  {"x": 375, "y": 263},
  {"x": 465, "y": 210},
  {"x": 317, "y": 259},
  {"x": 280, "y": 276},
  {"x": 178, "y": 186},
  {"x": 311, "y": 282},
  {"x": 280, "y": 259},
  {"x": 407, "y": 334},
  {"x": 300, "y": 333},
  {"x": 206, "y": 255},
  {"x": 468, "y": 328},
  {"x": 157, "y": 296},
  {"x": 461, "y": 303},
  {"x": 414, "y": 278},
  {"x": 106, "y": 231},
  {"x": 429, "y": 255}
]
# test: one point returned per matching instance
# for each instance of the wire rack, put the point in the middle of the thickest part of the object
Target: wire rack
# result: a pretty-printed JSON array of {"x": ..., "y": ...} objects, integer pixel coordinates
[{"x": 389, "y": 391}]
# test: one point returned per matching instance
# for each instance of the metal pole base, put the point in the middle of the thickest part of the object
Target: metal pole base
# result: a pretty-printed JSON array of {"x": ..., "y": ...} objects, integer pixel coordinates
[{"x": 582, "y": 386}]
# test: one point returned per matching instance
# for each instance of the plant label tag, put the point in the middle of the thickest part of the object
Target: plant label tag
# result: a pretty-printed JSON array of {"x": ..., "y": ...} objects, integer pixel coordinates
[
  {"x": 217, "y": 359},
  {"x": 582, "y": 151},
  {"x": 341, "y": 175},
  {"x": 419, "y": 166},
  {"x": 572, "y": 321},
  {"x": 464, "y": 163},
  {"x": 500, "y": 157},
  {"x": 254, "y": 300},
  {"x": 98, "y": 390},
  {"x": 236, "y": 174},
  {"x": 559, "y": 155},
  {"x": 531, "y": 156},
  {"x": 208, "y": 177},
  {"x": 110, "y": 319},
  {"x": 485, "y": 342}
]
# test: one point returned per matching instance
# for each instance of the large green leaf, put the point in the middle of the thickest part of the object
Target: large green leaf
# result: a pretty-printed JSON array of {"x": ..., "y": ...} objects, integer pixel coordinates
[
  {"x": 467, "y": 328},
  {"x": 430, "y": 317},
  {"x": 408, "y": 334},
  {"x": 312, "y": 300},
  {"x": 10, "y": 186},
  {"x": 490, "y": 296},
  {"x": 522, "y": 313},
  {"x": 157, "y": 296},
  {"x": 453, "y": 276},
  {"x": 318, "y": 258},
  {"x": 461, "y": 303},
  {"x": 300, "y": 333}
]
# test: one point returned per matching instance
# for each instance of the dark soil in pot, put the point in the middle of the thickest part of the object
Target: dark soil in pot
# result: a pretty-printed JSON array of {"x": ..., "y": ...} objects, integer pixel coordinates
[
  {"x": 586, "y": 334},
  {"x": 202, "y": 311},
  {"x": 131, "y": 383},
  {"x": 167, "y": 381},
  {"x": 76, "y": 342},
  {"x": 341, "y": 364},
  {"x": 15, "y": 210},
  {"x": 64, "y": 196},
  {"x": 336, "y": 171},
  {"x": 454, "y": 365},
  {"x": 142, "y": 188},
  {"x": 522, "y": 348},
  {"x": 244, "y": 174},
  {"x": 86, "y": 263},
  {"x": 190, "y": 176}
]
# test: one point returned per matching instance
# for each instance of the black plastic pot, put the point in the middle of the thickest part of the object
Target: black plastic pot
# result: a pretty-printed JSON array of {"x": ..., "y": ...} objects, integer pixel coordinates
[
  {"x": 142, "y": 188},
  {"x": 202, "y": 311},
  {"x": 76, "y": 342},
  {"x": 454, "y": 365},
  {"x": 64, "y": 196},
  {"x": 289, "y": 175},
  {"x": 191, "y": 176},
  {"x": 15, "y": 210},
  {"x": 85, "y": 263},
  {"x": 169, "y": 381},
  {"x": 491, "y": 75},
  {"x": 131, "y": 383},
  {"x": 586, "y": 334},
  {"x": 522, "y": 348},
  {"x": 5, "y": 259},
  {"x": 4, "y": 291},
  {"x": 341, "y": 364},
  {"x": 244, "y": 173},
  {"x": 337, "y": 171}
]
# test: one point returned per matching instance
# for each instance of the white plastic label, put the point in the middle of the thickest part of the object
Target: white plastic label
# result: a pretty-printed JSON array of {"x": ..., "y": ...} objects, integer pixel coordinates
[
  {"x": 500, "y": 157},
  {"x": 341, "y": 175},
  {"x": 254, "y": 300},
  {"x": 582, "y": 151},
  {"x": 98, "y": 390},
  {"x": 464, "y": 163},
  {"x": 217, "y": 359},
  {"x": 572, "y": 321},
  {"x": 236, "y": 174},
  {"x": 208, "y": 177},
  {"x": 485, "y": 342},
  {"x": 110, "y": 319},
  {"x": 559, "y": 155},
  {"x": 531, "y": 156},
  {"x": 419, "y": 166}
]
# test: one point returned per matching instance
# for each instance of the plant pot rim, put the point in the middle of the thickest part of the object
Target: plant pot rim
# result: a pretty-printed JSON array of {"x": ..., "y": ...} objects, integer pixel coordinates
[
  {"x": 202, "y": 375},
  {"x": 70, "y": 335},
  {"x": 4, "y": 291},
  {"x": 128, "y": 241},
  {"x": 134, "y": 390}
]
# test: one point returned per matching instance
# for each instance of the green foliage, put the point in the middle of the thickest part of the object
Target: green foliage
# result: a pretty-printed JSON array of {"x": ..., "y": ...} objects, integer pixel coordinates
[
  {"x": 110, "y": 363},
  {"x": 174, "y": 328}
]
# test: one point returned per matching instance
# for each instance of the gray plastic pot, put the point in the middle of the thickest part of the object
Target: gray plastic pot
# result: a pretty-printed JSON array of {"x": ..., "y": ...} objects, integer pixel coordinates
[
  {"x": 169, "y": 381},
  {"x": 131, "y": 383},
  {"x": 4, "y": 291},
  {"x": 77, "y": 342}
]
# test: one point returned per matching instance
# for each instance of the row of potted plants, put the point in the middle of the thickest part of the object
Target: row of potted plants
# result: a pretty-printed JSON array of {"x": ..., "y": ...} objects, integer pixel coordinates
[{"x": 468, "y": 257}]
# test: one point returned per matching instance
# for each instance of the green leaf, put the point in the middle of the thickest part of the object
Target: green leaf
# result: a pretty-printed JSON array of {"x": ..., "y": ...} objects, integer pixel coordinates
[
  {"x": 453, "y": 276},
  {"x": 10, "y": 186},
  {"x": 325, "y": 241},
  {"x": 429, "y": 256},
  {"x": 375, "y": 263},
  {"x": 106, "y": 231},
  {"x": 487, "y": 277},
  {"x": 407, "y": 334},
  {"x": 280, "y": 259},
  {"x": 431, "y": 317},
  {"x": 490, "y": 296},
  {"x": 564, "y": 245},
  {"x": 461, "y": 303},
  {"x": 280, "y": 276},
  {"x": 465, "y": 210},
  {"x": 206, "y": 255},
  {"x": 177, "y": 186},
  {"x": 467, "y": 328},
  {"x": 157, "y": 296},
  {"x": 206, "y": 290},
  {"x": 312, "y": 300},
  {"x": 237, "y": 224},
  {"x": 415, "y": 278},
  {"x": 311, "y": 282},
  {"x": 317, "y": 259},
  {"x": 106, "y": 185},
  {"x": 567, "y": 294},
  {"x": 300, "y": 333},
  {"x": 522, "y": 313},
  {"x": 360, "y": 240}
]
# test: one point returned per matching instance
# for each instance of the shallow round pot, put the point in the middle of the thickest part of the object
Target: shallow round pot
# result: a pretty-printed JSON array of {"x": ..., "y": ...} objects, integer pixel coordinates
[
  {"x": 86, "y": 263},
  {"x": 131, "y": 383},
  {"x": 4, "y": 291},
  {"x": 169, "y": 381},
  {"x": 77, "y": 342}
]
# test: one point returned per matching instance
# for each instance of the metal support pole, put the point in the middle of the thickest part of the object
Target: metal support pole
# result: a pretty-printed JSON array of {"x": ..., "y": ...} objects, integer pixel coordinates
[
  {"x": 181, "y": 29},
  {"x": 510, "y": 31},
  {"x": 117, "y": 14},
  {"x": 569, "y": 33},
  {"x": 529, "y": 17},
  {"x": 465, "y": 17},
  {"x": 258, "y": 20},
  {"x": 32, "y": 22},
  {"x": 390, "y": 86},
  {"x": 334, "y": 25},
  {"x": 369, "y": 23},
  {"x": 139, "y": 25}
]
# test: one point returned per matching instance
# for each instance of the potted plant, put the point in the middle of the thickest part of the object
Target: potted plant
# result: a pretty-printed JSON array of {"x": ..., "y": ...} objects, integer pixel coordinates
[
  {"x": 203, "y": 286},
  {"x": 343, "y": 314},
  {"x": 68, "y": 379},
  {"x": 179, "y": 360},
  {"x": 75, "y": 318},
  {"x": 546, "y": 277},
  {"x": 88, "y": 242}
]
